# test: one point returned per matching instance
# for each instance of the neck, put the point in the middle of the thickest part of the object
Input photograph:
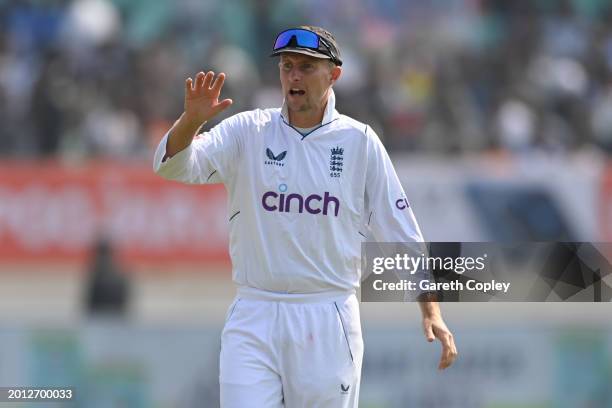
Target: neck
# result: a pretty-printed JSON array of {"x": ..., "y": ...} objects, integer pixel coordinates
[
  {"x": 307, "y": 119},
  {"x": 311, "y": 117}
]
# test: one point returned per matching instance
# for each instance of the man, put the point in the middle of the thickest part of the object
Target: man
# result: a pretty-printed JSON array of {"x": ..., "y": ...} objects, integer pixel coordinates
[{"x": 305, "y": 185}]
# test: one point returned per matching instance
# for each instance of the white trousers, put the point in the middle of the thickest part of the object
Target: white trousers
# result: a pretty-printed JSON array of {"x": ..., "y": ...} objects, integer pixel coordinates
[{"x": 294, "y": 353}]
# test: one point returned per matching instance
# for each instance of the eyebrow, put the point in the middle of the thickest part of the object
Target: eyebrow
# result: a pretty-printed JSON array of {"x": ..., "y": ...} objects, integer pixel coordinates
[{"x": 297, "y": 60}]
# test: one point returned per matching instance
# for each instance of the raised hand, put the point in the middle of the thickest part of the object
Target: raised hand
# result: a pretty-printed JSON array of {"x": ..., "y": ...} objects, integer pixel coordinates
[
  {"x": 201, "y": 104},
  {"x": 202, "y": 97}
]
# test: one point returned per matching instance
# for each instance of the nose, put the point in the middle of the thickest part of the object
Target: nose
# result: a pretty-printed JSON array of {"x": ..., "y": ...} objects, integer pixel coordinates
[{"x": 295, "y": 75}]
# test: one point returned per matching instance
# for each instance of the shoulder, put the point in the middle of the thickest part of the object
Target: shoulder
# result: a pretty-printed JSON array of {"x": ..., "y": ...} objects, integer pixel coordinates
[
  {"x": 254, "y": 118},
  {"x": 246, "y": 122},
  {"x": 360, "y": 129},
  {"x": 366, "y": 135}
]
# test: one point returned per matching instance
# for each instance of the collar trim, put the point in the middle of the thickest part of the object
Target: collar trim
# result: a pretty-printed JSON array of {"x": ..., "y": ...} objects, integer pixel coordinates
[{"x": 312, "y": 131}]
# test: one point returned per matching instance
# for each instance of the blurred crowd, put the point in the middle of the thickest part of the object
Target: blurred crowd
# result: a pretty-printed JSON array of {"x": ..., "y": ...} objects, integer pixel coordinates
[{"x": 104, "y": 78}]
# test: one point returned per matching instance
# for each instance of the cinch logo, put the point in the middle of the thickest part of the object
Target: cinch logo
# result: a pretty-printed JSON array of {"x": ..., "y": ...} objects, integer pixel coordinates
[
  {"x": 275, "y": 160},
  {"x": 402, "y": 204},
  {"x": 313, "y": 204}
]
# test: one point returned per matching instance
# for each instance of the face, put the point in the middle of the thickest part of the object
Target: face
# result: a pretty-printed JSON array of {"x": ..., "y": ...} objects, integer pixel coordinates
[{"x": 306, "y": 81}]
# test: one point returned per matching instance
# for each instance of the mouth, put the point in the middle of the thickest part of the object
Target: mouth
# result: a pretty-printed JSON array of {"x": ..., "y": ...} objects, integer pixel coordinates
[{"x": 296, "y": 91}]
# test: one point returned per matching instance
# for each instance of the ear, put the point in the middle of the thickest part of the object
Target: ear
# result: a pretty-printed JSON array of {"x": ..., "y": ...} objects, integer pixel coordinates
[{"x": 336, "y": 71}]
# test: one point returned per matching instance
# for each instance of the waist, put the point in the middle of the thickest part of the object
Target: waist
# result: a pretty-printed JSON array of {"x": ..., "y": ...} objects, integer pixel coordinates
[{"x": 248, "y": 292}]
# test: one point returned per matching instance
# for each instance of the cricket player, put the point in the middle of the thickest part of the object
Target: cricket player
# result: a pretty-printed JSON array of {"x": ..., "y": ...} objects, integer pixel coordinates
[{"x": 306, "y": 185}]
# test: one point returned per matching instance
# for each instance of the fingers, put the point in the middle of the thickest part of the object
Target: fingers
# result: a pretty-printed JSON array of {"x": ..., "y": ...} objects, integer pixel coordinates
[
  {"x": 208, "y": 80},
  {"x": 218, "y": 83},
  {"x": 202, "y": 94},
  {"x": 192, "y": 87},
  {"x": 437, "y": 329},
  {"x": 198, "y": 84},
  {"x": 199, "y": 80},
  {"x": 449, "y": 351},
  {"x": 205, "y": 82}
]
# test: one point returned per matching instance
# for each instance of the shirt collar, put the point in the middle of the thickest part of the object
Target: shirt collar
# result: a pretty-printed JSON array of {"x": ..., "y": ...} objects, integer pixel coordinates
[{"x": 330, "y": 110}]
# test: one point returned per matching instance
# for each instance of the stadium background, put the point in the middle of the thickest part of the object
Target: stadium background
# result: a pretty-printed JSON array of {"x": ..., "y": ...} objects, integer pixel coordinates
[{"x": 497, "y": 114}]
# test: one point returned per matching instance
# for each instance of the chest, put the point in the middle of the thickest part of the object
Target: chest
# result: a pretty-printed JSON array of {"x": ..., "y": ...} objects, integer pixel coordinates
[
  {"x": 315, "y": 174},
  {"x": 324, "y": 159}
]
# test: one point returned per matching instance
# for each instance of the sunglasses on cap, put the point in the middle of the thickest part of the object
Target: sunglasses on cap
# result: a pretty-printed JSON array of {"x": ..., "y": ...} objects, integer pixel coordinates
[{"x": 301, "y": 38}]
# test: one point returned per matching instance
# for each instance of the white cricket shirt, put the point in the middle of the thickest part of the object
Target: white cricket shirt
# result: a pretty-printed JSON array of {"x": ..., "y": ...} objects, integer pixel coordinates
[{"x": 299, "y": 205}]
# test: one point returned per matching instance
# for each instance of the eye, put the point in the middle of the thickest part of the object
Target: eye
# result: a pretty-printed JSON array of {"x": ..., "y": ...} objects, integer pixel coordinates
[
  {"x": 286, "y": 66},
  {"x": 307, "y": 66}
]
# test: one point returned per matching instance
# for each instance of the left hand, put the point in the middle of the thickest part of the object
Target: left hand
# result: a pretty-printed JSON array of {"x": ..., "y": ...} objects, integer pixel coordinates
[{"x": 435, "y": 328}]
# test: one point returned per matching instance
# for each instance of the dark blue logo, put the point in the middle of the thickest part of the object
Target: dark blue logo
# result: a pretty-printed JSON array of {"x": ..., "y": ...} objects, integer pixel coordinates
[
  {"x": 402, "y": 204},
  {"x": 275, "y": 160},
  {"x": 335, "y": 161}
]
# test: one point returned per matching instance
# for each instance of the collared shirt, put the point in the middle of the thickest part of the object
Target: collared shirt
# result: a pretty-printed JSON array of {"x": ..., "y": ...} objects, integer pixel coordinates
[{"x": 299, "y": 205}]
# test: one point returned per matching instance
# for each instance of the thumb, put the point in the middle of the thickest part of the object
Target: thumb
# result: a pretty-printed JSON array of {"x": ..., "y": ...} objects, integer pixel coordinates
[
  {"x": 223, "y": 105},
  {"x": 429, "y": 333}
]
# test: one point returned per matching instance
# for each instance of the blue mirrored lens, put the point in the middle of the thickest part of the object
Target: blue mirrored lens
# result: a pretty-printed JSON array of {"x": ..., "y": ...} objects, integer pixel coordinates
[{"x": 303, "y": 38}]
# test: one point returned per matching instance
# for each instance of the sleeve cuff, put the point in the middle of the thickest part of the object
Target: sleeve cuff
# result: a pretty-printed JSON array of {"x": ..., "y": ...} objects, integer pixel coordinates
[{"x": 162, "y": 161}]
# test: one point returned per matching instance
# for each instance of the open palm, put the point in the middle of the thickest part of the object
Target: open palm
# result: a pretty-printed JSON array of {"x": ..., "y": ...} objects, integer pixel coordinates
[{"x": 202, "y": 96}]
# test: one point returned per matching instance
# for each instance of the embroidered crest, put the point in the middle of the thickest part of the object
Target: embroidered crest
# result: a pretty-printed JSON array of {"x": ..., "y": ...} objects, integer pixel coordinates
[{"x": 335, "y": 161}]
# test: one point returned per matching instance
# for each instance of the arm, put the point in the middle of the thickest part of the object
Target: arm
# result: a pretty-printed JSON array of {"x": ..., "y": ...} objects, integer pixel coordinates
[
  {"x": 392, "y": 223},
  {"x": 210, "y": 158},
  {"x": 201, "y": 104}
]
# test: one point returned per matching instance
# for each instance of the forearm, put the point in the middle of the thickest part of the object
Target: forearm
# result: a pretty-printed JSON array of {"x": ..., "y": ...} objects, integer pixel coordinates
[
  {"x": 181, "y": 134},
  {"x": 428, "y": 302}
]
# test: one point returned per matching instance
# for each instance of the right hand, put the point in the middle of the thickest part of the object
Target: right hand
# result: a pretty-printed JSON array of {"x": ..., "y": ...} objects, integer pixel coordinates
[{"x": 202, "y": 97}]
